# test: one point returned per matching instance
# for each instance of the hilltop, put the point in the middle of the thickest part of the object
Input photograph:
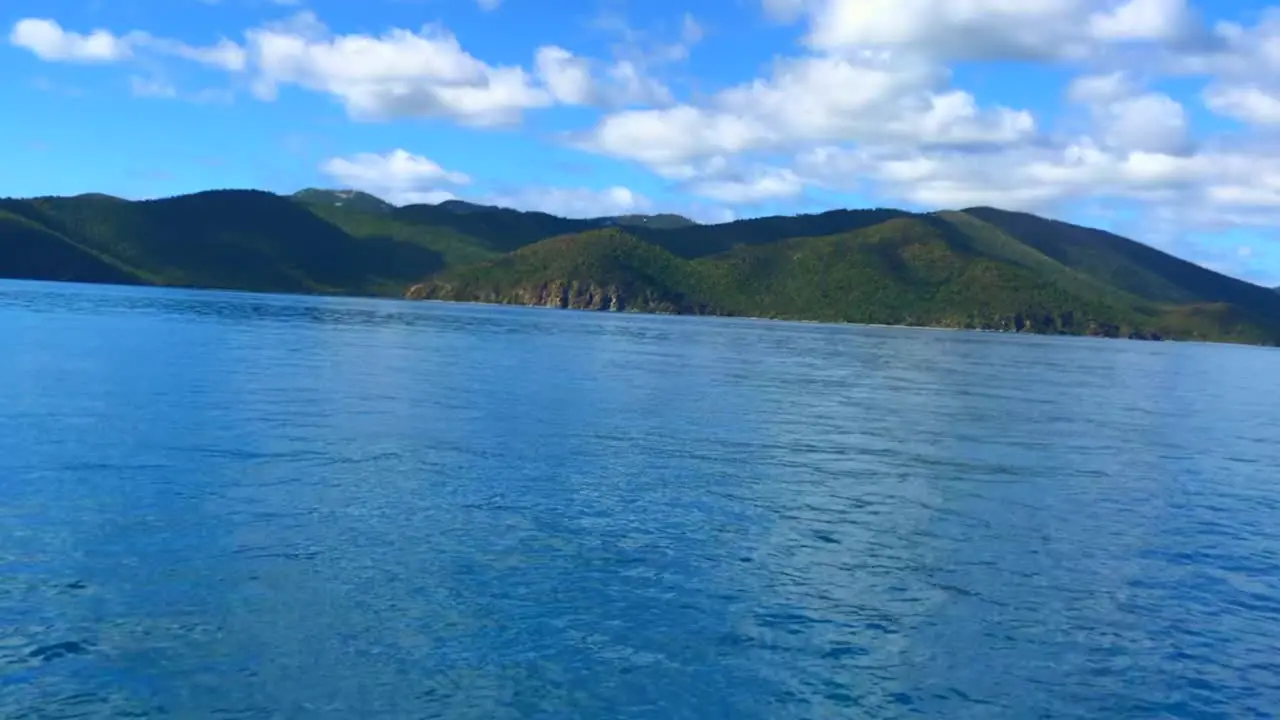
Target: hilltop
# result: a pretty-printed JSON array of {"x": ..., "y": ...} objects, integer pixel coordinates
[
  {"x": 364, "y": 202},
  {"x": 978, "y": 268}
]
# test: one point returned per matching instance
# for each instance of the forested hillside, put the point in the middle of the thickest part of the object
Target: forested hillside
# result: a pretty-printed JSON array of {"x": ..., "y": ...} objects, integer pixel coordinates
[{"x": 977, "y": 268}]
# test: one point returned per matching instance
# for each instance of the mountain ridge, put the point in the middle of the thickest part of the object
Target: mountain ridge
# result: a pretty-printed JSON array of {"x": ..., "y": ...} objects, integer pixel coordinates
[
  {"x": 368, "y": 202},
  {"x": 980, "y": 268}
]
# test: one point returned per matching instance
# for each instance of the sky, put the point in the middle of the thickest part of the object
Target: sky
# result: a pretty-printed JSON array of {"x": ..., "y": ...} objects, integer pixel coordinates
[{"x": 1156, "y": 119}]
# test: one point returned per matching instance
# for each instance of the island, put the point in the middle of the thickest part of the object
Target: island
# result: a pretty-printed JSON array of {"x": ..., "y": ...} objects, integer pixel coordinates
[{"x": 977, "y": 268}]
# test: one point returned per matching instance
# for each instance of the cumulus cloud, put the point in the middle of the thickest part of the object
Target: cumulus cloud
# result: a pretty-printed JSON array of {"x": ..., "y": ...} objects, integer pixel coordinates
[
  {"x": 1149, "y": 122},
  {"x": 49, "y": 41},
  {"x": 810, "y": 99},
  {"x": 574, "y": 80},
  {"x": 1244, "y": 70},
  {"x": 1249, "y": 103},
  {"x": 567, "y": 77},
  {"x": 974, "y": 29},
  {"x": 871, "y": 108},
  {"x": 397, "y": 74},
  {"x": 399, "y": 176},
  {"x": 1138, "y": 20},
  {"x": 427, "y": 73},
  {"x": 988, "y": 29},
  {"x": 1211, "y": 189},
  {"x": 1129, "y": 119}
]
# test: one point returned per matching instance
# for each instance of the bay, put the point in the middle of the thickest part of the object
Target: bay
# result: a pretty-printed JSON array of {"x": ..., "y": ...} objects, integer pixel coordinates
[{"x": 226, "y": 505}]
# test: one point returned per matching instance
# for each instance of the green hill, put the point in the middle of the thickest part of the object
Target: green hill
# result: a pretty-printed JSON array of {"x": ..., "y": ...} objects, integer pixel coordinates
[
  {"x": 941, "y": 270},
  {"x": 1122, "y": 263},
  {"x": 350, "y": 199},
  {"x": 977, "y": 268},
  {"x": 235, "y": 239},
  {"x": 364, "y": 202},
  {"x": 604, "y": 269},
  {"x": 905, "y": 271},
  {"x": 661, "y": 221},
  {"x": 30, "y": 250}
]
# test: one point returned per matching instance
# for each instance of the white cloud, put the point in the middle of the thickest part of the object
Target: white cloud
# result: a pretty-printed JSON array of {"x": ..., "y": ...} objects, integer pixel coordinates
[
  {"x": 627, "y": 83},
  {"x": 1150, "y": 122},
  {"x": 1243, "y": 69},
  {"x": 49, "y": 41},
  {"x": 1212, "y": 189},
  {"x": 758, "y": 185},
  {"x": 1244, "y": 73},
  {"x": 1259, "y": 191},
  {"x": 399, "y": 176},
  {"x": 567, "y": 77},
  {"x": 812, "y": 99},
  {"x": 397, "y": 74},
  {"x": 944, "y": 28},
  {"x": 488, "y": 5},
  {"x": 987, "y": 29},
  {"x": 574, "y": 80},
  {"x": 574, "y": 202},
  {"x": 1127, "y": 119},
  {"x": 1153, "y": 20},
  {"x": 1249, "y": 103}
]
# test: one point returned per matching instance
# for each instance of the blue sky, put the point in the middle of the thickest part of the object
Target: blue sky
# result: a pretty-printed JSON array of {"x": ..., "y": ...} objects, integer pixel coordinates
[{"x": 1154, "y": 118}]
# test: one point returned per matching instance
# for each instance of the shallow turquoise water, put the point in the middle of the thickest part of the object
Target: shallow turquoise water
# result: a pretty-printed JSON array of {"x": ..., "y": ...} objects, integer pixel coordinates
[{"x": 219, "y": 505}]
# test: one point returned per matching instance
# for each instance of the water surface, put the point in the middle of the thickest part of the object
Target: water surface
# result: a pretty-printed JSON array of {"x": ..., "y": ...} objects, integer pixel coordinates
[{"x": 221, "y": 505}]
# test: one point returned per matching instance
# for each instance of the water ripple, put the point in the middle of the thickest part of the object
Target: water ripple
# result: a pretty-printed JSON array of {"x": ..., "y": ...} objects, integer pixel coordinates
[{"x": 239, "y": 506}]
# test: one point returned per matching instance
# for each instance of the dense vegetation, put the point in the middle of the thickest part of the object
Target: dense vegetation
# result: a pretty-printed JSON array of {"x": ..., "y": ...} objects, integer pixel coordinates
[
  {"x": 977, "y": 268},
  {"x": 245, "y": 240}
]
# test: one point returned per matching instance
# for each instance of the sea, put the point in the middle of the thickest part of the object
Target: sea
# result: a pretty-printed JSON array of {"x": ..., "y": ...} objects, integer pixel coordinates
[{"x": 231, "y": 505}]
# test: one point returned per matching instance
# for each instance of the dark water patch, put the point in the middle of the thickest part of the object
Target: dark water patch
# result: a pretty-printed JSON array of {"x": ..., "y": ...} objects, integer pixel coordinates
[{"x": 59, "y": 650}]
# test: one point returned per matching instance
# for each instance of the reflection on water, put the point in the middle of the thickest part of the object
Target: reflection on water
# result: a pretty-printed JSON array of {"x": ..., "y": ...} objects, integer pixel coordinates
[{"x": 240, "y": 506}]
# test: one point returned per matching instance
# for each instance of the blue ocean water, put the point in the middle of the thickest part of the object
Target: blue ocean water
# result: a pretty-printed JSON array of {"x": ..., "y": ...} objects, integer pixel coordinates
[{"x": 222, "y": 505}]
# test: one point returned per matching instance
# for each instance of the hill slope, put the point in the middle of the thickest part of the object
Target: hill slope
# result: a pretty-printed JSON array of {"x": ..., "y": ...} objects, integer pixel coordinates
[
  {"x": 901, "y": 271},
  {"x": 661, "y": 221},
  {"x": 30, "y": 250},
  {"x": 981, "y": 268},
  {"x": 232, "y": 239},
  {"x": 350, "y": 199},
  {"x": 1122, "y": 263},
  {"x": 942, "y": 271},
  {"x": 598, "y": 270}
]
